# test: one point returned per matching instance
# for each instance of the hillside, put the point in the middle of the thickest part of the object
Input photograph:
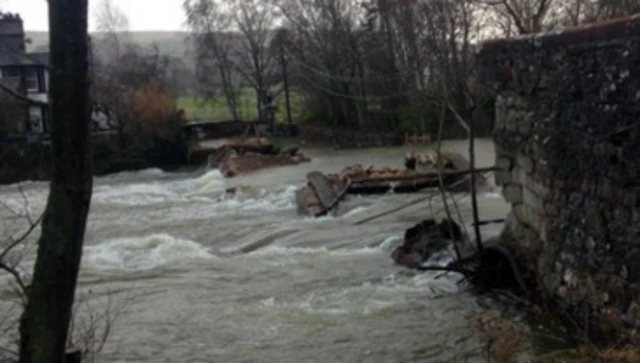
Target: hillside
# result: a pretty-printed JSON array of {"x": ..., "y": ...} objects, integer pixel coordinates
[{"x": 174, "y": 44}]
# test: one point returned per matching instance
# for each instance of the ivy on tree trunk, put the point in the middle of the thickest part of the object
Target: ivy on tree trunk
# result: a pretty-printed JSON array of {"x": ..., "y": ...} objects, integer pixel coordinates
[{"x": 45, "y": 322}]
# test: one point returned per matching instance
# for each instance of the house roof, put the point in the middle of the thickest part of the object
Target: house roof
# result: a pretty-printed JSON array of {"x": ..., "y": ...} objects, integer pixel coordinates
[
  {"x": 12, "y": 57},
  {"x": 40, "y": 57}
]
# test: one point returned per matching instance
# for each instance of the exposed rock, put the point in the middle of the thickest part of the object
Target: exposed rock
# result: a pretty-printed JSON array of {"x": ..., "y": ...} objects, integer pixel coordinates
[
  {"x": 291, "y": 151},
  {"x": 426, "y": 239}
]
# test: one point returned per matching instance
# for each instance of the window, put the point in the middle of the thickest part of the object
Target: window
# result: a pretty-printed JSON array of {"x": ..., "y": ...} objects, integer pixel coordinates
[
  {"x": 31, "y": 80},
  {"x": 10, "y": 73},
  {"x": 11, "y": 77},
  {"x": 35, "y": 119}
]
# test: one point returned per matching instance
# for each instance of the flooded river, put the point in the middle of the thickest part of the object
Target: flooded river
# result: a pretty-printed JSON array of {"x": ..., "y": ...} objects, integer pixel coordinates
[{"x": 246, "y": 279}]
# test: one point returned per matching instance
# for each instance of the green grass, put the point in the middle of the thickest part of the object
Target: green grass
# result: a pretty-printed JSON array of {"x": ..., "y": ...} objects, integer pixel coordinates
[
  {"x": 216, "y": 109},
  {"x": 298, "y": 111}
]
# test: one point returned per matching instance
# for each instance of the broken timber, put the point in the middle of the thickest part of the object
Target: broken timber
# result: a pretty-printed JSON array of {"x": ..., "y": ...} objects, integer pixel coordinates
[
  {"x": 321, "y": 194},
  {"x": 322, "y": 187},
  {"x": 431, "y": 175},
  {"x": 412, "y": 182}
]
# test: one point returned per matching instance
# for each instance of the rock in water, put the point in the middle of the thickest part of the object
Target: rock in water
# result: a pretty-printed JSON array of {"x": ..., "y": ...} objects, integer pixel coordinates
[
  {"x": 425, "y": 240},
  {"x": 291, "y": 151}
]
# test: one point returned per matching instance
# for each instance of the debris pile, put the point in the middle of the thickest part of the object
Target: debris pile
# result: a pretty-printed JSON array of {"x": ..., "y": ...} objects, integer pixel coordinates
[
  {"x": 420, "y": 172},
  {"x": 244, "y": 155}
]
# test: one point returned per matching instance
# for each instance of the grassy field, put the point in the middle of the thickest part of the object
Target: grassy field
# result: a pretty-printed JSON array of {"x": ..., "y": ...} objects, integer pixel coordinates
[{"x": 216, "y": 109}]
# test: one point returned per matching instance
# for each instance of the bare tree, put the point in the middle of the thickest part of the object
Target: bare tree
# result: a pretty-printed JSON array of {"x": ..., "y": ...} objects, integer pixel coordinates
[
  {"x": 94, "y": 315},
  {"x": 111, "y": 44},
  {"x": 452, "y": 26},
  {"x": 255, "y": 59},
  {"x": 18, "y": 224},
  {"x": 125, "y": 75},
  {"x": 328, "y": 52},
  {"x": 532, "y": 16},
  {"x": 234, "y": 37},
  {"x": 578, "y": 12},
  {"x": 113, "y": 28},
  {"x": 211, "y": 27},
  {"x": 527, "y": 16},
  {"x": 45, "y": 322}
]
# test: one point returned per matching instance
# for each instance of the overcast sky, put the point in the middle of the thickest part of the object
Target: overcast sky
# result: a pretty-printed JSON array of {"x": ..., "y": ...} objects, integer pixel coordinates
[{"x": 144, "y": 15}]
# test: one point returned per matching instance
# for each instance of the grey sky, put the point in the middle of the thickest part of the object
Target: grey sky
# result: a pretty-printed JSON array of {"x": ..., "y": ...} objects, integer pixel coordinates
[{"x": 144, "y": 15}]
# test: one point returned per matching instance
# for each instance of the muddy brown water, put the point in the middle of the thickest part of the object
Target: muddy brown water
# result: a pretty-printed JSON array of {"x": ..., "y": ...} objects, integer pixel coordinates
[{"x": 246, "y": 279}]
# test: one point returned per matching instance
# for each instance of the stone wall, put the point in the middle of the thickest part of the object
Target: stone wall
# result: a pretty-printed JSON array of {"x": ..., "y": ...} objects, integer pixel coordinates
[{"x": 567, "y": 134}]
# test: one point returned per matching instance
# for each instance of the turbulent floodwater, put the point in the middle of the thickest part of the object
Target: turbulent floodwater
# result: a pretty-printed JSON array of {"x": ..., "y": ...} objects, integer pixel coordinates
[{"x": 246, "y": 279}]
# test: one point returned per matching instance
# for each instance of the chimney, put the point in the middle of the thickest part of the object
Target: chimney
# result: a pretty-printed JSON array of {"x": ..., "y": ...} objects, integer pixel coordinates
[{"x": 12, "y": 32}]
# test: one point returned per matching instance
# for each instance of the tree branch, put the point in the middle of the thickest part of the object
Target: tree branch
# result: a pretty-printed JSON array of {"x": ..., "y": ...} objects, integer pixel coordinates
[
  {"x": 16, "y": 275},
  {"x": 21, "y": 239}
]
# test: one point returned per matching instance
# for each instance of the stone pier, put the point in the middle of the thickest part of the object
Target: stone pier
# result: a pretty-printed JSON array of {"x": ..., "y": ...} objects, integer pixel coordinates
[{"x": 567, "y": 133}]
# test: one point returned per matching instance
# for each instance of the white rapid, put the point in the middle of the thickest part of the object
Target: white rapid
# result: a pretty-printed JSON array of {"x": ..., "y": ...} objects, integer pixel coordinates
[{"x": 209, "y": 278}]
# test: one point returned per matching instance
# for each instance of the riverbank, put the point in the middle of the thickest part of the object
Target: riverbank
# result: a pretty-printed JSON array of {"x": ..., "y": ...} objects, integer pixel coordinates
[
  {"x": 22, "y": 162},
  {"x": 32, "y": 162}
]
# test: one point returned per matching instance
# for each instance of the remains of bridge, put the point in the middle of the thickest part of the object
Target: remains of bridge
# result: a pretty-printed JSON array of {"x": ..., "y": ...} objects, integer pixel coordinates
[{"x": 568, "y": 136}]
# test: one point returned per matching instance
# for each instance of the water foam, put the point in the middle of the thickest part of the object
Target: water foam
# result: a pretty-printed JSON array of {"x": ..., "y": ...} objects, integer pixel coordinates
[
  {"x": 204, "y": 196},
  {"x": 354, "y": 211},
  {"x": 144, "y": 253},
  {"x": 292, "y": 251},
  {"x": 132, "y": 194},
  {"x": 390, "y": 243},
  {"x": 492, "y": 194},
  {"x": 124, "y": 175},
  {"x": 366, "y": 298},
  {"x": 269, "y": 200},
  {"x": 152, "y": 193},
  {"x": 210, "y": 182},
  {"x": 329, "y": 217}
]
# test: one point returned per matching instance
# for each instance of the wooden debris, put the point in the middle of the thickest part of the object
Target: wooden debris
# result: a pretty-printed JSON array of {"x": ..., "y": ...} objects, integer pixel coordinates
[
  {"x": 322, "y": 187},
  {"x": 360, "y": 180},
  {"x": 234, "y": 159},
  {"x": 251, "y": 162},
  {"x": 321, "y": 194}
]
